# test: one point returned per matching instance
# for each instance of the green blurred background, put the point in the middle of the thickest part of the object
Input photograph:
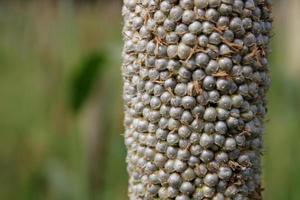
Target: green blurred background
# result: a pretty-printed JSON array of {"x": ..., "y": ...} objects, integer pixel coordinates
[{"x": 61, "y": 106}]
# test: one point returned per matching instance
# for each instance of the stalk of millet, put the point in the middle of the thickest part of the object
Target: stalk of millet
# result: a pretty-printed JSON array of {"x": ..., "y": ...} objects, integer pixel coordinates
[{"x": 195, "y": 79}]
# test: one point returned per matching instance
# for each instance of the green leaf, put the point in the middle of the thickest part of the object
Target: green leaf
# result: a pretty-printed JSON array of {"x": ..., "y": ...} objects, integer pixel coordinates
[{"x": 84, "y": 78}]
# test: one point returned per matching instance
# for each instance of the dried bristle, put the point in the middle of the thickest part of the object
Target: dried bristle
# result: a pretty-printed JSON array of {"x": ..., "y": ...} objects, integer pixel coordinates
[{"x": 195, "y": 79}]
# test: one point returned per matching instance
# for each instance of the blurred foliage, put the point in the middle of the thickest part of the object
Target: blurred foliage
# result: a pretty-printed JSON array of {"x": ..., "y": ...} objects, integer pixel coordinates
[
  {"x": 49, "y": 152},
  {"x": 84, "y": 79}
]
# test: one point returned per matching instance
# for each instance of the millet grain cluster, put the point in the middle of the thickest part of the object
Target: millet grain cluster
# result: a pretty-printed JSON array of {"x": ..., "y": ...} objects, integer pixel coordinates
[{"x": 195, "y": 76}]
